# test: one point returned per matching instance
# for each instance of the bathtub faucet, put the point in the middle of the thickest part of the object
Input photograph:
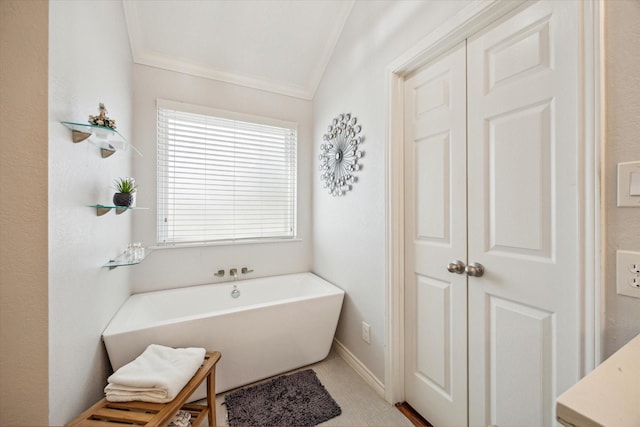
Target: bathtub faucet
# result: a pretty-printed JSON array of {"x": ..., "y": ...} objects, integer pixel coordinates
[{"x": 234, "y": 273}]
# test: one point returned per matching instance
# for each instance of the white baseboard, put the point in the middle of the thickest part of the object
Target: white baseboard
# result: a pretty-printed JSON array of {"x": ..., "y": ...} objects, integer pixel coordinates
[{"x": 359, "y": 367}]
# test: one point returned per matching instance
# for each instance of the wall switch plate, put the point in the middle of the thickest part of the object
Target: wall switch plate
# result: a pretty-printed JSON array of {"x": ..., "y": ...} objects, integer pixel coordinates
[
  {"x": 628, "y": 184},
  {"x": 628, "y": 273},
  {"x": 366, "y": 332}
]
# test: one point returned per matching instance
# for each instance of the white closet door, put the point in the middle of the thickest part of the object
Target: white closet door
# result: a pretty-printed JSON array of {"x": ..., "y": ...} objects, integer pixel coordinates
[
  {"x": 435, "y": 235},
  {"x": 523, "y": 153}
]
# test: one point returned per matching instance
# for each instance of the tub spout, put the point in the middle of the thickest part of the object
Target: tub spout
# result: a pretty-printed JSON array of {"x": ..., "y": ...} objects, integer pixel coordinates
[{"x": 234, "y": 273}]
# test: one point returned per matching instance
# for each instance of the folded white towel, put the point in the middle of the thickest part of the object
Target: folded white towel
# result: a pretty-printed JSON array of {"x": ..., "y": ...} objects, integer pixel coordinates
[{"x": 157, "y": 375}]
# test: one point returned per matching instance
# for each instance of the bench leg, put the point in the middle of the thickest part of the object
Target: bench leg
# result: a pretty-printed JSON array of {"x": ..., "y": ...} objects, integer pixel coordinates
[{"x": 211, "y": 396}]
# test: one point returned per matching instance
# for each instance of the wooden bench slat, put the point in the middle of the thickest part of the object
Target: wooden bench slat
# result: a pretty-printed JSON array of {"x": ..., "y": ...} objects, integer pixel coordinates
[
  {"x": 123, "y": 415},
  {"x": 97, "y": 423},
  {"x": 142, "y": 406},
  {"x": 194, "y": 407}
]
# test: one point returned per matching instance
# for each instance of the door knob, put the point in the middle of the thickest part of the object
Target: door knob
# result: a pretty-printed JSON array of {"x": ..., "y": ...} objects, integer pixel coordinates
[
  {"x": 456, "y": 266},
  {"x": 474, "y": 269}
]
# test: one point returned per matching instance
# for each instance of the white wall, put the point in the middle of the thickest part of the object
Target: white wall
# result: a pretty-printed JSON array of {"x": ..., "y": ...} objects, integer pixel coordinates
[
  {"x": 177, "y": 267},
  {"x": 622, "y": 315},
  {"x": 24, "y": 372},
  {"x": 349, "y": 232},
  {"x": 90, "y": 62}
]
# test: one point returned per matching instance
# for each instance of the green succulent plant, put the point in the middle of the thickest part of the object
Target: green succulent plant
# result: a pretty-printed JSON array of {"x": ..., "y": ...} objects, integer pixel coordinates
[{"x": 125, "y": 185}]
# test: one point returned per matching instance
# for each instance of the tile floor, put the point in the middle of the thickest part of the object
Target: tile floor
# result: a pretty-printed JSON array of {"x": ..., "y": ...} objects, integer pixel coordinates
[{"x": 361, "y": 405}]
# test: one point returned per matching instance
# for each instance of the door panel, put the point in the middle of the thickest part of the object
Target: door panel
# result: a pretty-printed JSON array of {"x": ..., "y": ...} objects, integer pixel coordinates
[
  {"x": 523, "y": 334},
  {"x": 435, "y": 218},
  {"x": 519, "y": 148},
  {"x": 522, "y": 215},
  {"x": 432, "y": 172},
  {"x": 526, "y": 51},
  {"x": 433, "y": 361}
]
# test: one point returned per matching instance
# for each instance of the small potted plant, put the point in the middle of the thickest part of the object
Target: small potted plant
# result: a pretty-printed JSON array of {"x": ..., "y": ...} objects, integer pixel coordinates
[{"x": 125, "y": 188}]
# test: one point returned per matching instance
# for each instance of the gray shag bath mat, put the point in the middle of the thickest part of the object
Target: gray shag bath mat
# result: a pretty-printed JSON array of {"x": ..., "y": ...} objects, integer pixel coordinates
[{"x": 298, "y": 399}]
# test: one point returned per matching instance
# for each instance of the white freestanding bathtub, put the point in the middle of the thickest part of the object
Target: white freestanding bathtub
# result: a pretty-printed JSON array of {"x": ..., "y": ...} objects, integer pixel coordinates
[{"x": 276, "y": 324}]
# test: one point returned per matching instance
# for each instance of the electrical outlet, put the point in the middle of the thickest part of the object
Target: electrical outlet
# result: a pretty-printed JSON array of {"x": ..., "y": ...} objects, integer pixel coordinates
[
  {"x": 628, "y": 273},
  {"x": 366, "y": 332}
]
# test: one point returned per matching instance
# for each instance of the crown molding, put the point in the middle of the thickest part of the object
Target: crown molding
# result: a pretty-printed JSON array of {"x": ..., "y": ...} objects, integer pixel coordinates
[{"x": 155, "y": 59}]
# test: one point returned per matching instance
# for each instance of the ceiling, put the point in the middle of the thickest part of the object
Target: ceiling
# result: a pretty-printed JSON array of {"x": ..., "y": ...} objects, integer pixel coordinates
[{"x": 281, "y": 46}]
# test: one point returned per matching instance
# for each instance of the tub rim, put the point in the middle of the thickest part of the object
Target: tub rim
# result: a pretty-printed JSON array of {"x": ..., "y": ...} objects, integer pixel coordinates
[{"x": 332, "y": 292}]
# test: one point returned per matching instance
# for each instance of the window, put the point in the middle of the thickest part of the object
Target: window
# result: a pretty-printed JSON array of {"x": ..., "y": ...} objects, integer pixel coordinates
[{"x": 224, "y": 177}]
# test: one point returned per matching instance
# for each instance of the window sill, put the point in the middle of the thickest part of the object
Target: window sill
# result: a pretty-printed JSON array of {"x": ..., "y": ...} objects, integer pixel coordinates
[{"x": 225, "y": 243}]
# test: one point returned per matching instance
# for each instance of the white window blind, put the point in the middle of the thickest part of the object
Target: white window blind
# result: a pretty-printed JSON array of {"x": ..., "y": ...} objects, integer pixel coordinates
[{"x": 224, "y": 176}]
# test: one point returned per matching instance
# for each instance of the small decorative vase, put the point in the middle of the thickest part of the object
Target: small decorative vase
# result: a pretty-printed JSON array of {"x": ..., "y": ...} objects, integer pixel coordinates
[{"x": 123, "y": 199}]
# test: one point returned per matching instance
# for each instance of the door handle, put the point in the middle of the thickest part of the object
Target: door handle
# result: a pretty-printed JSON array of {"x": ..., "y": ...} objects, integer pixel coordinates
[
  {"x": 456, "y": 266},
  {"x": 474, "y": 269}
]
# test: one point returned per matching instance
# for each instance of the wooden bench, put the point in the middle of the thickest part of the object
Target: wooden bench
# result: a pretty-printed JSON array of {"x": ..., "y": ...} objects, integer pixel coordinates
[{"x": 105, "y": 413}]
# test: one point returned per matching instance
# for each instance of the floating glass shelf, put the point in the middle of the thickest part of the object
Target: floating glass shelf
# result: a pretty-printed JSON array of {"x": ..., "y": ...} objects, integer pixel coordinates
[
  {"x": 103, "y": 209},
  {"x": 125, "y": 259},
  {"x": 108, "y": 140}
]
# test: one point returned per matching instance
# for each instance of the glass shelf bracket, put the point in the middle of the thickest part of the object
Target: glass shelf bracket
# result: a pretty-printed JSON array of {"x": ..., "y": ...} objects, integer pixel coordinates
[
  {"x": 104, "y": 209},
  {"x": 108, "y": 140}
]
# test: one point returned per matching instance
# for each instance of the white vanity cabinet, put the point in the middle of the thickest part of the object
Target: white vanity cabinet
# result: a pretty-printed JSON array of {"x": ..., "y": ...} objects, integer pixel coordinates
[{"x": 607, "y": 396}]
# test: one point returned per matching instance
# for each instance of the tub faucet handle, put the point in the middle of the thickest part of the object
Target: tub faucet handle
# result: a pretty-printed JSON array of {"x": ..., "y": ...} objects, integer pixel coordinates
[
  {"x": 219, "y": 273},
  {"x": 245, "y": 270}
]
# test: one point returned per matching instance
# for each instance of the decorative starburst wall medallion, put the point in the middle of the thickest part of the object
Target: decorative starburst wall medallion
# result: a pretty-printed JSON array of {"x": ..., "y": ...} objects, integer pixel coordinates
[{"x": 339, "y": 154}]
